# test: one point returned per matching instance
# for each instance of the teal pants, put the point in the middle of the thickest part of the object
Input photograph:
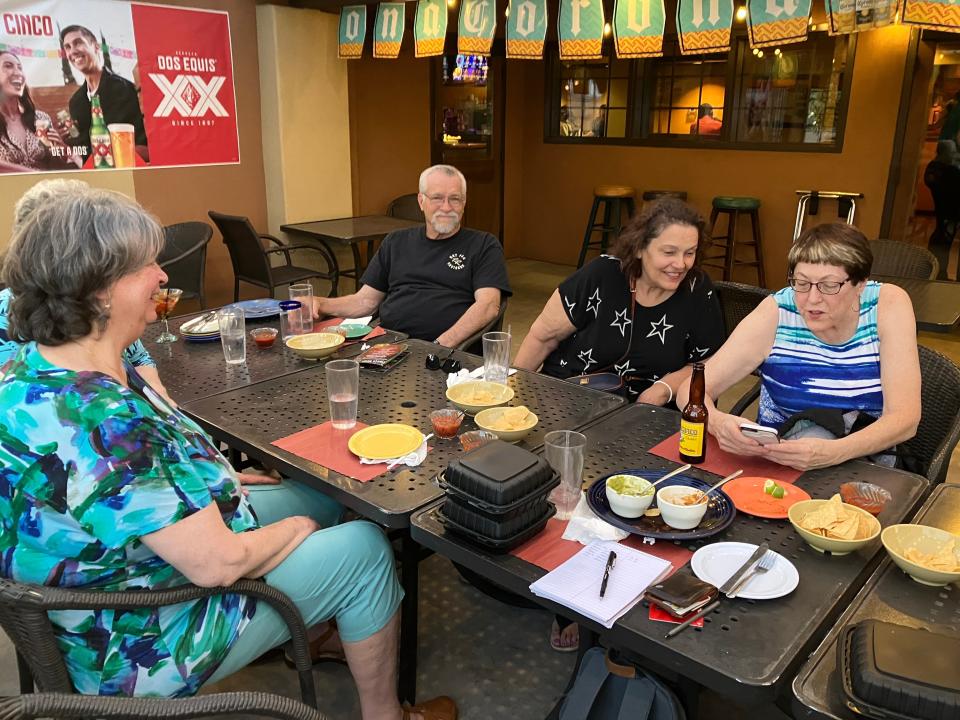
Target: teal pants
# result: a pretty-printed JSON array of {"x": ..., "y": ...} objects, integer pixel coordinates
[{"x": 345, "y": 572}]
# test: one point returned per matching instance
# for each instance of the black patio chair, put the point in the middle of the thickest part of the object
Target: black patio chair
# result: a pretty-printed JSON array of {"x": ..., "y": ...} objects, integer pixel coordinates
[
  {"x": 184, "y": 257},
  {"x": 474, "y": 343},
  {"x": 928, "y": 452},
  {"x": 900, "y": 259},
  {"x": 406, "y": 207},
  {"x": 251, "y": 260},
  {"x": 738, "y": 300},
  {"x": 23, "y": 616}
]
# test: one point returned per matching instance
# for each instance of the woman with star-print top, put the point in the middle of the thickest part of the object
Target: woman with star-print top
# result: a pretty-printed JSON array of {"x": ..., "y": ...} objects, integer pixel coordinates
[{"x": 646, "y": 312}]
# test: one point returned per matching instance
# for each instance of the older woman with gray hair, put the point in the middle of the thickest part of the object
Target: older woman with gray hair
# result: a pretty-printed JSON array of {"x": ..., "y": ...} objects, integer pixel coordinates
[{"x": 106, "y": 485}]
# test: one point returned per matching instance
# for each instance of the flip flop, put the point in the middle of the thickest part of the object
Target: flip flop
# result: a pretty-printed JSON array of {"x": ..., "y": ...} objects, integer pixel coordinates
[{"x": 556, "y": 640}]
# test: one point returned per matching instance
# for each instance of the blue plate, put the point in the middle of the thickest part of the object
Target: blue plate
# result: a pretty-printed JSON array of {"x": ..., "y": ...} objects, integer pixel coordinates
[
  {"x": 720, "y": 511},
  {"x": 256, "y": 309},
  {"x": 201, "y": 338}
]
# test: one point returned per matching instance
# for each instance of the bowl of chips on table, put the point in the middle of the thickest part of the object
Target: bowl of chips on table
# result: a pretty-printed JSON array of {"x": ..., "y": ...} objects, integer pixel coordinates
[
  {"x": 833, "y": 526},
  {"x": 510, "y": 424},
  {"x": 476, "y": 395},
  {"x": 314, "y": 346},
  {"x": 929, "y": 555}
]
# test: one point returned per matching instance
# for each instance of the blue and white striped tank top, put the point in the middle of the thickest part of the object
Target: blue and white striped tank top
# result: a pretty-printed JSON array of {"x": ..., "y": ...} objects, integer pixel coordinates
[{"x": 803, "y": 372}]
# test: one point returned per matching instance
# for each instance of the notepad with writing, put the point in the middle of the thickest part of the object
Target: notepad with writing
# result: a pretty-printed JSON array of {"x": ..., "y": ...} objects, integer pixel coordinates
[{"x": 576, "y": 583}]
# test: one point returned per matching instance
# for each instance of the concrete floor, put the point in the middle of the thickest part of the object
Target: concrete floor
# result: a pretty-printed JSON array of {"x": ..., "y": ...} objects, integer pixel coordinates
[{"x": 494, "y": 659}]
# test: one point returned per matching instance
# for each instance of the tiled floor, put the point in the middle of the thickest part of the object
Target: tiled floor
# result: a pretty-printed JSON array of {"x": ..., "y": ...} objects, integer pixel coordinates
[{"x": 493, "y": 659}]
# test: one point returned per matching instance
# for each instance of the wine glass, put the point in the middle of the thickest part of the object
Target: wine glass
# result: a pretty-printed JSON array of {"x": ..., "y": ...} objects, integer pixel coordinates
[{"x": 166, "y": 299}]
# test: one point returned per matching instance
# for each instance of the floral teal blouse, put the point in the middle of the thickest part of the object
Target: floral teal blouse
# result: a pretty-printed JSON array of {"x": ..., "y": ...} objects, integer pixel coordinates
[{"x": 87, "y": 468}]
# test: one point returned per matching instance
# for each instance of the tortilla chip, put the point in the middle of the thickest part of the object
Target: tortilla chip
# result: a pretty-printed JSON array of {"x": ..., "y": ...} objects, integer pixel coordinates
[
  {"x": 835, "y": 520},
  {"x": 944, "y": 560}
]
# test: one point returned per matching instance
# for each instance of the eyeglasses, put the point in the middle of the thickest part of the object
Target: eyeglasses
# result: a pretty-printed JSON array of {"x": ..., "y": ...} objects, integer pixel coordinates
[
  {"x": 824, "y": 287},
  {"x": 454, "y": 200},
  {"x": 448, "y": 364}
]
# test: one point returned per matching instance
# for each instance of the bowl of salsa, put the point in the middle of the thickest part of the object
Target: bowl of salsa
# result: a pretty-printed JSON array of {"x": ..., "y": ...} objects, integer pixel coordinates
[{"x": 264, "y": 337}]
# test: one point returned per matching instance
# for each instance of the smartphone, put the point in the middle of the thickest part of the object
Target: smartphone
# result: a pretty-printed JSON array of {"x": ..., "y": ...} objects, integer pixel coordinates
[{"x": 760, "y": 433}]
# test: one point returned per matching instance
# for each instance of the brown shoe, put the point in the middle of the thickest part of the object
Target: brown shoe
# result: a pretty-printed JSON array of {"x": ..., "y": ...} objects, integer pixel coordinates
[{"x": 440, "y": 708}]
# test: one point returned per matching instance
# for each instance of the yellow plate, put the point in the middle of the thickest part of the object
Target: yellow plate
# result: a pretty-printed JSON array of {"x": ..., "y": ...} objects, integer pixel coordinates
[{"x": 385, "y": 442}]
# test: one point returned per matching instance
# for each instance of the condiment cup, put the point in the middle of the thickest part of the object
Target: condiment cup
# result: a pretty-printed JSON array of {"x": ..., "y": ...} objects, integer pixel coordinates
[
  {"x": 680, "y": 517},
  {"x": 865, "y": 496},
  {"x": 446, "y": 422},
  {"x": 264, "y": 337},
  {"x": 473, "y": 439},
  {"x": 629, "y": 506}
]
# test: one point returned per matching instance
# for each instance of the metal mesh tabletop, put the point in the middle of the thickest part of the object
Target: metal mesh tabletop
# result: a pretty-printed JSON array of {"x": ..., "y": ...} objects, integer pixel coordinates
[
  {"x": 251, "y": 418},
  {"x": 891, "y": 596},
  {"x": 747, "y": 648}
]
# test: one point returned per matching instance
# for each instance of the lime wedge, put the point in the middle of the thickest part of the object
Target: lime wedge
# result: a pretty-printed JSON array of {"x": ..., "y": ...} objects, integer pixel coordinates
[
  {"x": 778, "y": 492},
  {"x": 768, "y": 486}
]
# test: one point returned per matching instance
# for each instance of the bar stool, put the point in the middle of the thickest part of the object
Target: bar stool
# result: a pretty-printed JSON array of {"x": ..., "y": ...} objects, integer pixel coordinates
[
  {"x": 651, "y": 195},
  {"x": 733, "y": 208},
  {"x": 615, "y": 199}
]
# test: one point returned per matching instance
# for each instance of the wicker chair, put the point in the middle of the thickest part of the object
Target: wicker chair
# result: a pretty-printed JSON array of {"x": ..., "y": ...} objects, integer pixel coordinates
[
  {"x": 939, "y": 430},
  {"x": 406, "y": 207},
  {"x": 23, "y": 616},
  {"x": 184, "y": 257},
  {"x": 736, "y": 302},
  {"x": 901, "y": 259}
]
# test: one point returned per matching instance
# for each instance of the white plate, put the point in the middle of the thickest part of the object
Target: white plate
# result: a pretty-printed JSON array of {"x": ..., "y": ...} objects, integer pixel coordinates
[
  {"x": 194, "y": 327},
  {"x": 717, "y": 562}
]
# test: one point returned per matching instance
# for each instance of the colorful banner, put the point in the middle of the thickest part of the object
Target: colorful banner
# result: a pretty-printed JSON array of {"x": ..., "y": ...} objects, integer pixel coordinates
[
  {"x": 526, "y": 29},
  {"x": 388, "y": 29},
  {"x": 777, "y": 22},
  {"x": 638, "y": 28},
  {"x": 430, "y": 28},
  {"x": 580, "y": 29},
  {"x": 164, "y": 86},
  {"x": 703, "y": 26},
  {"x": 478, "y": 21},
  {"x": 353, "y": 31},
  {"x": 931, "y": 14},
  {"x": 850, "y": 16}
]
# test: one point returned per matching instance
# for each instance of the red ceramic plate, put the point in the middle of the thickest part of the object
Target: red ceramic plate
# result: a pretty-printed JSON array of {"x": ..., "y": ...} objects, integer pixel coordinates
[{"x": 748, "y": 496}]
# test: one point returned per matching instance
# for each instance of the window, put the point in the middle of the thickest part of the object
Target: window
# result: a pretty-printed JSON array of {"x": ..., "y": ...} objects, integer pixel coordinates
[
  {"x": 789, "y": 98},
  {"x": 593, "y": 98}
]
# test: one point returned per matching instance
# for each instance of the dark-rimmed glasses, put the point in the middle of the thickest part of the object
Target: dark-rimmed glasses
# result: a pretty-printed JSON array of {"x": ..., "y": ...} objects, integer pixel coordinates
[
  {"x": 824, "y": 287},
  {"x": 448, "y": 364}
]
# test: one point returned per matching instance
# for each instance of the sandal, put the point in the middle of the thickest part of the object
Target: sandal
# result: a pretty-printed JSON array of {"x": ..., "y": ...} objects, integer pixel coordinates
[
  {"x": 317, "y": 655},
  {"x": 440, "y": 708},
  {"x": 557, "y": 642}
]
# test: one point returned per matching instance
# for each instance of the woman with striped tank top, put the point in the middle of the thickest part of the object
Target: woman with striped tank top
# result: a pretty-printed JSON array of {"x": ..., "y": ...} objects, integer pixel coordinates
[{"x": 833, "y": 345}]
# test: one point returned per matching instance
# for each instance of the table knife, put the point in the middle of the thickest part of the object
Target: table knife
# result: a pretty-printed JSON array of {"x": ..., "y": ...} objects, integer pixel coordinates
[{"x": 730, "y": 584}]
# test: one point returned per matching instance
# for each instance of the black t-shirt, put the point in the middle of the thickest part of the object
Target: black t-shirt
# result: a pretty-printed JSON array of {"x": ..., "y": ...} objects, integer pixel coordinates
[
  {"x": 684, "y": 328},
  {"x": 429, "y": 284},
  {"x": 118, "y": 100}
]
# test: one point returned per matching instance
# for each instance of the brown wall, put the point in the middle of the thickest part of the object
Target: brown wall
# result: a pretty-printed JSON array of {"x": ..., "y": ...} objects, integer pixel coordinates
[
  {"x": 389, "y": 128},
  {"x": 176, "y": 195}
]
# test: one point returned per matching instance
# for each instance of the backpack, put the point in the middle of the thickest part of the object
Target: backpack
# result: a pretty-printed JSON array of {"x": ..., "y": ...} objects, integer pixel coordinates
[{"x": 606, "y": 691}]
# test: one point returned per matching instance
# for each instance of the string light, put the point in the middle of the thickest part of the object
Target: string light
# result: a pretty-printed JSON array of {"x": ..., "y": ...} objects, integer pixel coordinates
[
  {"x": 451, "y": 3},
  {"x": 607, "y": 29},
  {"x": 506, "y": 13},
  {"x": 777, "y": 52},
  {"x": 742, "y": 13},
  {"x": 760, "y": 53}
]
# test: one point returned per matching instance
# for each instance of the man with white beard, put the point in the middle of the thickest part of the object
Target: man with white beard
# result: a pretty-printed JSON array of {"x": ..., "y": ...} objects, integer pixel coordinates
[{"x": 441, "y": 282}]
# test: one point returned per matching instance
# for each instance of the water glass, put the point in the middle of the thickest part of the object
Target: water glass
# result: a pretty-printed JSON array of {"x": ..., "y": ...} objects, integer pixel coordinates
[
  {"x": 343, "y": 388},
  {"x": 563, "y": 449},
  {"x": 303, "y": 294},
  {"x": 233, "y": 334},
  {"x": 291, "y": 322},
  {"x": 496, "y": 357}
]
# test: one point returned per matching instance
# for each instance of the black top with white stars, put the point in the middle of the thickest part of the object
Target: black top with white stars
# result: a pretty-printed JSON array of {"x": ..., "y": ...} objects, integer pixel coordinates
[{"x": 684, "y": 328}]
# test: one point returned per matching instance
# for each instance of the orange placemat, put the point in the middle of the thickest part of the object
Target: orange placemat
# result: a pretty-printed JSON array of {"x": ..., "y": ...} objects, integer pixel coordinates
[
  {"x": 723, "y": 463},
  {"x": 549, "y": 550},
  {"x": 328, "y": 322},
  {"x": 327, "y": 446}
]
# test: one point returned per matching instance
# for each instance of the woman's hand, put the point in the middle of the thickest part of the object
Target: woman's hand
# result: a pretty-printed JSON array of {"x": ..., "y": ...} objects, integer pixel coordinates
[
  {"x": 804, "y": 453},
  {"x": 726, "y": 429},
  {"x": 656, "y": 394}
]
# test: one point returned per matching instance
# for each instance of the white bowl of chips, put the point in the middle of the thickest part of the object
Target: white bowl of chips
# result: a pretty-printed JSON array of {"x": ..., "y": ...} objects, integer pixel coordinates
[
  {"x": 833, "y": 526},
  {"x": 476, "y": 395},
  {"x": 929, "y": 555},
  {"x": 510, "y": 424}
]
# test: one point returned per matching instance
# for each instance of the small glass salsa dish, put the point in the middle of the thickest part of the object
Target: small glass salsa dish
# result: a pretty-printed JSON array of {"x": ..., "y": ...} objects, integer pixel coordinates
[
  {"x": 446, "y": 422},
  {"x": 473, "y": 439},
  {"x": 264, "y": 337},
  {"x": 865, "y": 496}
]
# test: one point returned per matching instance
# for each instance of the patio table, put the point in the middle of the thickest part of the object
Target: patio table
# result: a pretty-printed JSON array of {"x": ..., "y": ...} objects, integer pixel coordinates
[
  {"x": 250, "y": 418},
  {"x": 889, "y": 595},
  {"x": 935, "y": 303},
  {"x": 748, "y": 650}
]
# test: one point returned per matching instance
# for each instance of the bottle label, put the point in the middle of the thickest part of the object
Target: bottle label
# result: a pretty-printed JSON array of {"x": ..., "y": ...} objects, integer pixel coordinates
[{"x": 692, "y": 437}]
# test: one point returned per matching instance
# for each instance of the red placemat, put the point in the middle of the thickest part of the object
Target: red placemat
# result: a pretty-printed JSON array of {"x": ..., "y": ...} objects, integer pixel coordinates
[
  {"x": 549, "y": 550},
  {"x": 328, "y": 322},
  {"x": 327, "y": 446},
  {"x": 723, "y": 463}
]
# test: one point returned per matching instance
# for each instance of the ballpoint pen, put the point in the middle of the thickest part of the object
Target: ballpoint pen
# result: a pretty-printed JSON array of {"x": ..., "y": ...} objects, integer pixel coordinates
[
  {"x": 690, "y": 620},
  {"x": 611, "y": 560}
]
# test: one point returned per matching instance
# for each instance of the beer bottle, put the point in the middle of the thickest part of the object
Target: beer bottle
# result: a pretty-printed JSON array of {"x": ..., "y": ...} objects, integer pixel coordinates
[
  {"x": 100, "y": 137},
  {"x": 693, "y": 421}
]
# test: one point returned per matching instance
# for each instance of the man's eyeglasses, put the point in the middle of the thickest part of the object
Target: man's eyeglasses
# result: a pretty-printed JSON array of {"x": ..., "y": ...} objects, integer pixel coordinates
[
  {"x": 454, "y": 200},
  {"x": 824, "y": 287},
  {"x": 448, "y": 364}
]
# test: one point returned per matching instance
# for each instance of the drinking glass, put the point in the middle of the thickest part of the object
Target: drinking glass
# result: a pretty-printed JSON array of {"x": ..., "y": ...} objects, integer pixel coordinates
[
  {"x": 496, "y": 357},
  {"x": 563, "y": 449},
  {"x": 165, "y": 300},
  {"x": 290, "y": 320},
  {"x": 122, "y": 142},
  {"x": 343, "y": 388},
  {"x": 303, "y": 293},
  {"x": 233, "y": 334}
]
